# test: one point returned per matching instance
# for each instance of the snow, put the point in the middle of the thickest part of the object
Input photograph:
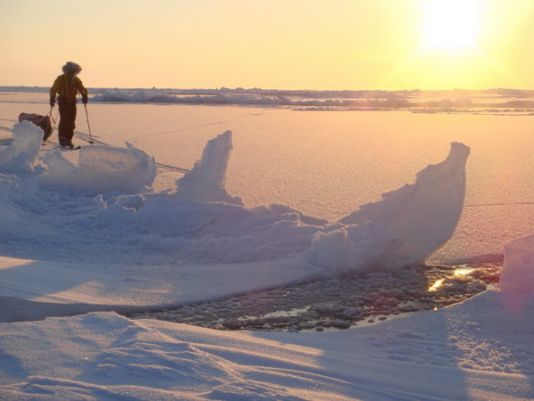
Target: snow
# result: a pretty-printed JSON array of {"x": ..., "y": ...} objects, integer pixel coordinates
[
  {"x": 105, "y": 202},
  {"x": 56, "y": 289},
  {"x": 206, "y": 181},
  {"x": 517, "y": 277},
  {"x": 86, "y": 233},
  {"x": 19, "y": 155},
  {"x": 100, "y": 169},
  {"x": 469, "y": 351},
  {"x": 405, "y": 227},
  {"x": 327, "y": 164}
]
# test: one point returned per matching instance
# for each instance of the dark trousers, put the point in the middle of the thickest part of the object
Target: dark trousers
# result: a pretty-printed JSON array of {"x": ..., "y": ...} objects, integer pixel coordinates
[{"x": 67, "y": 119}]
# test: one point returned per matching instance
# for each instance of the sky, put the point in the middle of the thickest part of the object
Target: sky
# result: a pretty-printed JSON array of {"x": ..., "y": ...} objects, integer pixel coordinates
[{"x": 281, "y": 44}]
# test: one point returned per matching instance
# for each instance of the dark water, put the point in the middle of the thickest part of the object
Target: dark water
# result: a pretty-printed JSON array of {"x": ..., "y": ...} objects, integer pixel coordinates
[{"x": 339, "y": 302}]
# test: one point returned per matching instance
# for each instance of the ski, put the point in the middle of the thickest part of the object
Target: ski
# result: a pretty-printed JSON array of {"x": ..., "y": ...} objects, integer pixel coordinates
[
  {"x": 70, "y": 148},
  {"x": 62, "y": 148}
]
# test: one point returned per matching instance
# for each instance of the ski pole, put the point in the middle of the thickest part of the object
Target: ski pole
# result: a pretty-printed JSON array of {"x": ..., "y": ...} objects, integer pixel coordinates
[{"x": 88, "y": 125}]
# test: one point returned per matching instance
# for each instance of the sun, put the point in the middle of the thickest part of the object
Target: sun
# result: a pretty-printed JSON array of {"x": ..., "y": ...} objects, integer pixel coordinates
[{"x": 450, "y": 26}]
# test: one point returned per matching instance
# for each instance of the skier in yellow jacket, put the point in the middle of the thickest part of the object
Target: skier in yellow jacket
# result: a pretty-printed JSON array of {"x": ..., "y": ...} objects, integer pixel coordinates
[{"x": 67, "y": 87}]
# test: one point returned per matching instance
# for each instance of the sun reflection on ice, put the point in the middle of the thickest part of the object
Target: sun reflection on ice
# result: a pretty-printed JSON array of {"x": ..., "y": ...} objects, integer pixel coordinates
[
  {"x": 463, "y": 271},
  {"x": 437, "y": 284}
]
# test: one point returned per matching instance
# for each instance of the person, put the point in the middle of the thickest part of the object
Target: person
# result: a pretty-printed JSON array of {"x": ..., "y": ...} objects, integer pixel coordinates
[{"x": 67, "y": 86}]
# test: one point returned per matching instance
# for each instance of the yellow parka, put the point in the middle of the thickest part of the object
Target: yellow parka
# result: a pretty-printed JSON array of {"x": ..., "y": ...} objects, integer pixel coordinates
[{"x": 67, "y": 87}]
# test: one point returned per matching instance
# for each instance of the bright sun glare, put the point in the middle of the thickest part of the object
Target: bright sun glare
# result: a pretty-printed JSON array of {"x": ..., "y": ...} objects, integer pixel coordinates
[{"x": 451, "y": 26}]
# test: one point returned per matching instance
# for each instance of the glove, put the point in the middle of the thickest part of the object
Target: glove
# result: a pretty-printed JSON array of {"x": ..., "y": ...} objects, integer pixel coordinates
[{"x": 85, "y": 100}]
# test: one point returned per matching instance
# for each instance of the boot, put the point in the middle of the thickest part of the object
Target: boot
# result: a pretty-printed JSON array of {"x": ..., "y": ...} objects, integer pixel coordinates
[{"x": 65, "y": 142}]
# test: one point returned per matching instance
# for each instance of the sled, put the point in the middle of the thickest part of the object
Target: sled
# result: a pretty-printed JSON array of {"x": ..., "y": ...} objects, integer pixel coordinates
[{"x": 42, "y": 122}]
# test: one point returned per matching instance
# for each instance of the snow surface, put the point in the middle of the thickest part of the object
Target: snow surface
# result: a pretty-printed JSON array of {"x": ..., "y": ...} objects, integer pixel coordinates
[
  {"x": 471, "y": 351},
  {"x": 327, "y": 164},
  {"x": 57, "y": 289},
  {"x": 67, "y": 210},
  {"x": 100, "y": 169},
  {"x": 18, "y": 156},
  {"x": 74, "y": 246}
]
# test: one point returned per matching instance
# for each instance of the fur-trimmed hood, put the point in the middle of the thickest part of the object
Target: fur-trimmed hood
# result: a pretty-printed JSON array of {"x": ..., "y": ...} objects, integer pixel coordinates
[{"x": 71, "y": 68}]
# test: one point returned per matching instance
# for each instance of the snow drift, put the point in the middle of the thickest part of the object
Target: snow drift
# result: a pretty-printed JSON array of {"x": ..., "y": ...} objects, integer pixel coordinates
[
  {"x": 474, "y": 350},
  {"x": 105, "y": 202}
]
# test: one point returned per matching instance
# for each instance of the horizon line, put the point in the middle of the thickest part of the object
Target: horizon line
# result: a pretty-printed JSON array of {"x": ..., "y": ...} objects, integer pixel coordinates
[{"x": 239, "y": 88}]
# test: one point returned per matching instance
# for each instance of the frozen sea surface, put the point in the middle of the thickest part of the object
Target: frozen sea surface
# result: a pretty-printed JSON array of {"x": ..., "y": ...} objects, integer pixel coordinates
[
  {"x": 479, "y": 349},
  {"x": 327, "y": 163}
]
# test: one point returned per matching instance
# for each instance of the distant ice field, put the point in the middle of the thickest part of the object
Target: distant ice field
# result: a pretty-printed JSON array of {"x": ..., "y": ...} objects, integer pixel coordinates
[{"x": 327, "y": 163}]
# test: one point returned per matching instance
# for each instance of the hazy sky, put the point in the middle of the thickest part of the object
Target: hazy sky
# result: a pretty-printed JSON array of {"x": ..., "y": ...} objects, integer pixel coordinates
[{"x": 294, "y": 44}]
